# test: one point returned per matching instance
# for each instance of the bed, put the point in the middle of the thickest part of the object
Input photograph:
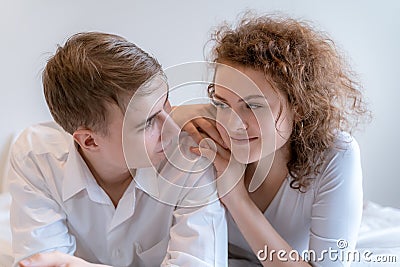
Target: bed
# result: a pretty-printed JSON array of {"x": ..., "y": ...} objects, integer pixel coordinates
[
  {"x": 379, "y": 236},
  {"x": 5, "y": 233}
]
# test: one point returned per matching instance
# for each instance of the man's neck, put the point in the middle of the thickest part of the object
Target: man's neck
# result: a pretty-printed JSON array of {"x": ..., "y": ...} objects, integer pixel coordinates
[{"x": 114, "y": 182}]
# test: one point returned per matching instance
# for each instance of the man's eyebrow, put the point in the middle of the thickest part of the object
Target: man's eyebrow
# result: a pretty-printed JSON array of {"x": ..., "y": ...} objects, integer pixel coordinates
[
  {"x": 154, "y": 115},
  {"x": 140, "y": 125}
]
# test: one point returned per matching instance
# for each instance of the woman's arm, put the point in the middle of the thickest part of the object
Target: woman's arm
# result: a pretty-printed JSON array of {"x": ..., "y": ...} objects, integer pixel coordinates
[
  {"x": 335, "y": 218},
  {"x": 337, "y": 209},
  {"x": 255, "y": 228},
  {"x": 269, "y": 247}
]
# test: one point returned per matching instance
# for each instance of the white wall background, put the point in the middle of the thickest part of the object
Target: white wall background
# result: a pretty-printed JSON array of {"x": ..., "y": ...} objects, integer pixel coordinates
[{"x": 175, "y": 31}]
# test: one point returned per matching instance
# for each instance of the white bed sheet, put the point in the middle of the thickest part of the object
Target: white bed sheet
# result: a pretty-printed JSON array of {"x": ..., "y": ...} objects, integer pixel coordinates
[
  {"x": 6, "y": 259},
  {"x": 379, "y": 235}
]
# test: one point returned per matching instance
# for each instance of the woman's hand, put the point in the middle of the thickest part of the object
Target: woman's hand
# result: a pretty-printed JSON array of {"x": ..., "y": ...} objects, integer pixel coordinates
[
  {"x": 230, "y": 173},
  {"x": 197, "y": 120},
  {"x": 198, "y": 126},
  {"x": 56, "y": 259}
]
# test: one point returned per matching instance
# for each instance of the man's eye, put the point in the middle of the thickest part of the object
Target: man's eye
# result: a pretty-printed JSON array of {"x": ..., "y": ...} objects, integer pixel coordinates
[
  {"x": 219, "y": 104},
  {"x": 149, "y": 123}
]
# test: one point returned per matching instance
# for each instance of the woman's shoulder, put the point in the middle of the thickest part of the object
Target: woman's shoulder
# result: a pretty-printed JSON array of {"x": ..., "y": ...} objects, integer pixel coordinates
[
  {"x": 343, "y": 147},
  {"x": 341, "y": 162}
]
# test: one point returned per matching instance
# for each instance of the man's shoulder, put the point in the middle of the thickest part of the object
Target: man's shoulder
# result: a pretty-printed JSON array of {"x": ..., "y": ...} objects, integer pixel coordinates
[
  {"x": 183, "y": 160},
  {"x": 192, "y": 175},
  {"x": 42, "y": 138}
]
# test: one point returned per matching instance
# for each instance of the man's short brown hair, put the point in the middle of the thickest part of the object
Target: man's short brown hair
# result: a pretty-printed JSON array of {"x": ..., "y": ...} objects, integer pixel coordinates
[{"x": 90, "y": 71}]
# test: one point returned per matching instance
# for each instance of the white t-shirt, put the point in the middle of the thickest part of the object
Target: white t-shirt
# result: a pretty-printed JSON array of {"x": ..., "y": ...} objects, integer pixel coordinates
[
  {"x": 324, "y": 220},
  {"x": 57, "y": 205},
  {"x": 326, "y": 217}
]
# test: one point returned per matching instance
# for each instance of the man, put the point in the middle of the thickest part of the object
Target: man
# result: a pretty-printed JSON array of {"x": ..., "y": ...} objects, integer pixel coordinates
[{"x": 100, "y": 187}]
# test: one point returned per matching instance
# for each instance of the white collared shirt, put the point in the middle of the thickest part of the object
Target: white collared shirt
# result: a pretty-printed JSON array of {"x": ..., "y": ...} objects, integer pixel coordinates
[{"x": 57, "y": 205}]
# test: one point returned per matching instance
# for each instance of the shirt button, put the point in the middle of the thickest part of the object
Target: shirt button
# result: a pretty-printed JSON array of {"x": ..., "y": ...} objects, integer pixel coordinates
[{"x": 117, "y": 252}]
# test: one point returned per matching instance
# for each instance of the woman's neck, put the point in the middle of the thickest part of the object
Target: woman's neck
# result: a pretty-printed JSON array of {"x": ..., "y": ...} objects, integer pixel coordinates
[
  {"x": 264, "y": 178},
  {"x": 272, "y": 167}
]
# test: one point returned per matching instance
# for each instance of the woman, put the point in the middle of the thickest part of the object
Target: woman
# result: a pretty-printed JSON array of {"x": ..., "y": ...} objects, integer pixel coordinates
[{"x": 307, "y": 199}]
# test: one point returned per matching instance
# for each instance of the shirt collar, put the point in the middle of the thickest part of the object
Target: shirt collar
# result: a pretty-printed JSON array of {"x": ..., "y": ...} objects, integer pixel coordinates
[
  {"x": 147, "y": 181},
  {"x": 77, "y": 177}
]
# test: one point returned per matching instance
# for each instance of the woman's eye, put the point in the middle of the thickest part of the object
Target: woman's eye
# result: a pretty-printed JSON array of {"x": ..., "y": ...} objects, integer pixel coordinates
[
  {"x": 219, "y": 104},
  {"x": 253, "y": 106}
]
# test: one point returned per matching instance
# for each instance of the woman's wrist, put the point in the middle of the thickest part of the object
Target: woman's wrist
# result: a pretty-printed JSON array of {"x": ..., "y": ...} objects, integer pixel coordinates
[{"x": 236, "y": 197}]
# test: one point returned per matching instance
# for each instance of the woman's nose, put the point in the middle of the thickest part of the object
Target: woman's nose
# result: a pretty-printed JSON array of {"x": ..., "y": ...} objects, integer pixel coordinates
[{"x": 235, "y": 122}]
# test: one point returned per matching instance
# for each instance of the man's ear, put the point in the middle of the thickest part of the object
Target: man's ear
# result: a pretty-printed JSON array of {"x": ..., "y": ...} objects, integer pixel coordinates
[{"x": 86, "y": 139}]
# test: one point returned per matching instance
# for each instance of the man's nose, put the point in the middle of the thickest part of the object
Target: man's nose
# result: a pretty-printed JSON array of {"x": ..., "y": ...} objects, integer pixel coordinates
[{"x": 169, "y": 129}]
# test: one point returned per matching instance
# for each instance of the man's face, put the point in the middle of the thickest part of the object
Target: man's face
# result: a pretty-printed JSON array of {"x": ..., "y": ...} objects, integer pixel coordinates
[{"x": 147, "y": 127}]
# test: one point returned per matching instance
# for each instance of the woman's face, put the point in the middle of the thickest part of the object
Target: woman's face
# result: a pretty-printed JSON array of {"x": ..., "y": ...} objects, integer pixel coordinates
[{"x": 248, "y": 113}]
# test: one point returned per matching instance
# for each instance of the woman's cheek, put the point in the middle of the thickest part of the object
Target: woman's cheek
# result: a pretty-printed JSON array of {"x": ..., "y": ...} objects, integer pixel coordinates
[{"x": 222, "y": 131}]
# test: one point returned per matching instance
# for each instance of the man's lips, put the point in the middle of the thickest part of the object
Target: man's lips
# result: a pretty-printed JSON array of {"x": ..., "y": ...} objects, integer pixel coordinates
[{"x": 164, "y": 147}]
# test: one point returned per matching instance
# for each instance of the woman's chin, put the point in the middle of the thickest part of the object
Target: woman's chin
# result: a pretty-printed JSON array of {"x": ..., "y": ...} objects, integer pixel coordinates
[{"x": 245, "y": 158}]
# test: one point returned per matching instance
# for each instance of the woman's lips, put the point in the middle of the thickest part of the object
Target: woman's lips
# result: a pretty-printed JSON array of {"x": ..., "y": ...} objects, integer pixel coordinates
[{"x": 243, "y": 140}]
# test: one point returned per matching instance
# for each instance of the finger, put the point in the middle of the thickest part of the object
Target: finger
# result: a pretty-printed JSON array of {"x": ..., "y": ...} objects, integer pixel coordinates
[
  {"x": 223, "y": 152},
  {"x": 229, "y": 171},
  {"x": 211, "y": 130},
  {"x": 191, "y": 129},
  {"x": 207, "y": 148},
  {"x": 210, "y": 149},
  {"x": 212, "y": 156},
  {"x": 51, "y": 259}
]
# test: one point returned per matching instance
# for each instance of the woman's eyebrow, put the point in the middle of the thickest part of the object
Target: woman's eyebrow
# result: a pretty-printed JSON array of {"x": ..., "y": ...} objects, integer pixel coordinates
[
  {"x": 241, "y": 99},
  {"x": 219, "y": 97},
  {"x": 166, "y": 99},
  {"x": 252, "y": 97}
]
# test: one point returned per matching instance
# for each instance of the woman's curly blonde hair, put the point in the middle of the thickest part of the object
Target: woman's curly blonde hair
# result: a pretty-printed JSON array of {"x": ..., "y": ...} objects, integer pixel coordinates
[{"x": 305, "y": 65}]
